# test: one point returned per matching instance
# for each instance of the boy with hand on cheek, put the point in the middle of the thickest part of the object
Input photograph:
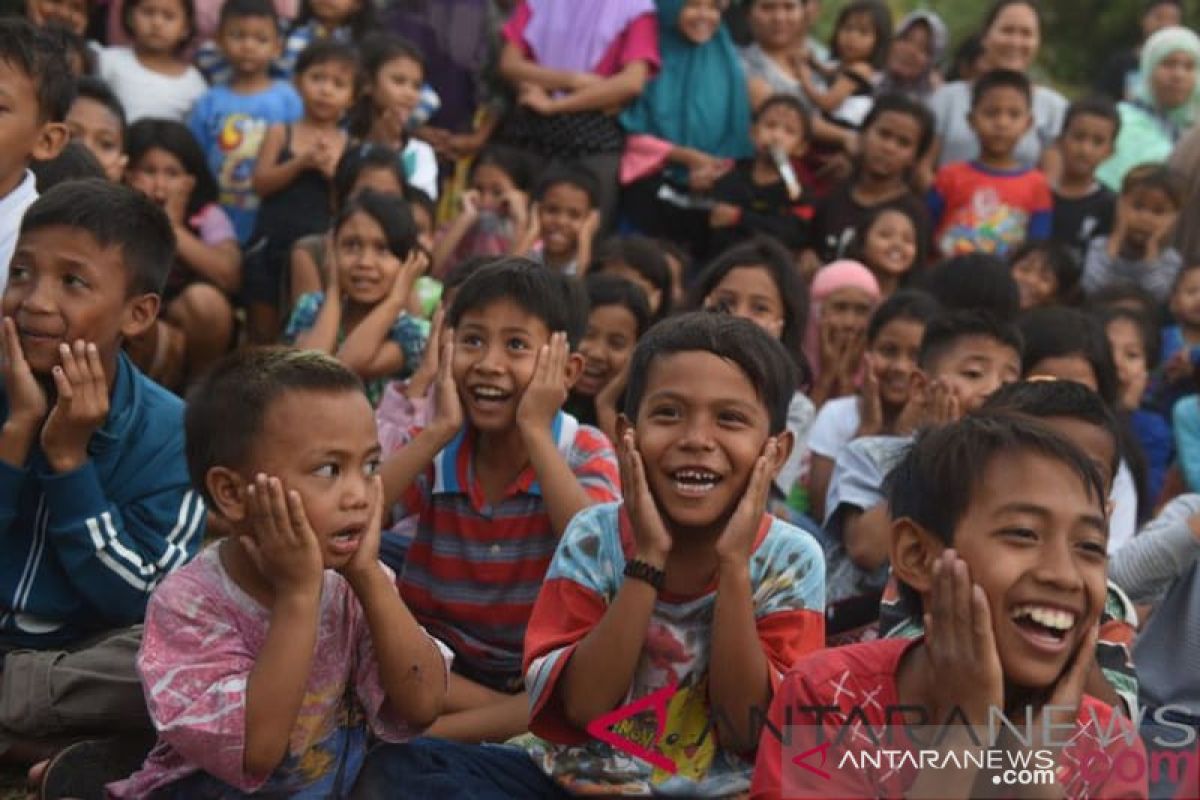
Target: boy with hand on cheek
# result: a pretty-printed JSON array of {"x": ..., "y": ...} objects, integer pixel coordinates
[
  {"x": 688, "y": 583},
  {"x": 1000, "y": 529}
]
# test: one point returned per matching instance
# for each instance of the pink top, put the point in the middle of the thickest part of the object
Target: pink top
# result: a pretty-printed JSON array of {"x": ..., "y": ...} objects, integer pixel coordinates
[
  {"x": 201, "y": 639},
  {"x": 639, "y": 42}
]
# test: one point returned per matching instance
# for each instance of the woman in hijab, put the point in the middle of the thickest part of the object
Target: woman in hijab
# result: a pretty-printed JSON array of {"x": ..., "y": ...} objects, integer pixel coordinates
[
  {"x": 841, "y": 300},
  {"x": 1167, "y": 103},
  {"x": 574, "y": 67},
  {"x": 697, "y": 114},
  {"x": 916, "y": 49}
]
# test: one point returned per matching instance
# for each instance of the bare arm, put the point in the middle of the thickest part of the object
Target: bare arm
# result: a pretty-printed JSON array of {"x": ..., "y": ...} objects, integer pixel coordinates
[
  {"x": 269, "y": 175},
  {"x": 517, "y": 69},
  {"x": 563, "y": 494},
  {"x": 494, "y": 722},
  {"x": 819, "y": 473},
  {"x": 219, "y": 263},
  {"x": 367, "y": 350},
  {"x": 606, "y": 93},
  {"x": 738, "y": 680},
  {"x": 323, "y": 334}
]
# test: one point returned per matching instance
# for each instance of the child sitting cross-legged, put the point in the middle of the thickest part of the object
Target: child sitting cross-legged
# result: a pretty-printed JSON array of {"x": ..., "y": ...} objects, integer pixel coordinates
[
  {"x": 495, "y": 477},
  {"x": 271, "y": 660},
  {"x": 999, "y": 528},
  {"x": 687, "y": 584}
]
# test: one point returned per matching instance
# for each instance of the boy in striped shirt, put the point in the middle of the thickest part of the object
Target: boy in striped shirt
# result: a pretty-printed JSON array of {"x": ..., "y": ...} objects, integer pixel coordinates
[{"x": 495, "y": 477}]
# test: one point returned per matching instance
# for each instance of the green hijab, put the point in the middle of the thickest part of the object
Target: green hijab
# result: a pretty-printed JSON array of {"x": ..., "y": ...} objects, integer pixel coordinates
[{"x": 699, "y": 98}]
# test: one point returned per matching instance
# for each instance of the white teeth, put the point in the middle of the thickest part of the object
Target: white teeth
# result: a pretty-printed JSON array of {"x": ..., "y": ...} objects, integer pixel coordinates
[
  {"x": 1049, "y": 617},
  {"x": 489, "y": 393},
  {"x": 695, "y": 481}
]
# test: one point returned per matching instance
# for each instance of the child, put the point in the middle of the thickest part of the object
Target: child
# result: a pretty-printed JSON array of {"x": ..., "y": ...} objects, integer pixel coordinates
[
  {"x": 38, "y": 90},
  {"x": 885, "y": 403},
  {"x": 196, "y": 315},
  {"x": 563, "y": 221},
  {"x": 754, "y": 196},
  {"x": 97, "y": 509},
  {"x": 361, "y": 317},
  {"x": 974, "y": 282},
  {"x": 756, "y": 281},
  {"x": 97, "y": 119},
  {"x": 965, "y": 358},
  {"x": 393, "y": 70},
  {"x": 151, "y": 79},
  {"x": 895, "y": 136},
  {"x": 293, "y": 176},
  {"x": 993, "y": 204},
  {"x": 271, "y": 660},
  {"x": 618, "y": 315},
  {"x": 1047, "y": 274},
  {"x": 844, "y": 295},
  {"x": 496, "y": 475},
  {"x": 1084, "y": 207},
  {"x": 861, "y": 37},
  {"x": 889, "y": 243},
  {"x": 1138, "y": 251},
  {"x": 990, "y": 641},
  {"x": 494, "y": 210},
  {"x": 642, "y": 262},
  {"x": 72, "y": 15},
  {"x": 688, "y": 583},
  {"x": 231, "y": 122}
]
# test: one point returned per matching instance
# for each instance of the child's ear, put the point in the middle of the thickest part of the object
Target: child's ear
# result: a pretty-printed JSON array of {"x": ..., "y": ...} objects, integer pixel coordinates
[
  {"x": 784, "y": 443},
  {"x": 140, "y": 313},
  {"x": 574, "y": 369},
  {"x": 913, "y": 553},
  {"x": 50, "y": 141},
  {"x": 228, "y": 492}
]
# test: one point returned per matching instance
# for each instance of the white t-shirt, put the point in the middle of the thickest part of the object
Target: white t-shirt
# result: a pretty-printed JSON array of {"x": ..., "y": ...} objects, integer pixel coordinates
[
  {"x": 12, "y": 209},
  {"x": 1122, "y": 522},
  {"x": 836, "y": 424},
  {"x": 420, "y": 167},
  {"x": 801, "y": 413},
  {"x": 146, "y": 93}
]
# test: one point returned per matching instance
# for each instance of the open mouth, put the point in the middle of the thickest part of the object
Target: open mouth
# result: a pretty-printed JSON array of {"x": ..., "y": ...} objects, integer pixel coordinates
[
  {"x": 489, "y": 397},
  {"x": 1045, "y": 627},
  {"x": 346, "y": 540},
  {"x": 695, "y": 482}
]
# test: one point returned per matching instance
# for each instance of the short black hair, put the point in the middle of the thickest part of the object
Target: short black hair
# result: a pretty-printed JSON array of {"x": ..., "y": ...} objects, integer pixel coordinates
[
  {"x": 1047, "y": 399},
  {"x": 919, "y": 222},
  {"x": 360, "y": 158},
  {"x": 609, "y": 290},
  {"x": 1158, "y": 177},
  {"x": 907, "y": 304},
  {"x": 791, "y": 103},
  {"x": 189, "y": 15},
  {"x": 1147, "y": 330},
  {"x": 898, "y": 103},
  {"x": 1061, "y": 261},
  {"x": 643, "y": 255},
  {"x": 977, "y": 282},
  {"x": 936, "y": 481},
  {"x": 768, "y": 254},
  {"x": 27, "y": 49},
  {"x": 96, "y": 90},
  {"x": 327, "y": 51},
  {"x": 881, "y": 18},
  {"x": 243, "y": 9},
  {"x": 115, "y": 216},
  {"x": 73, "y": 163},
  {"x": 555, "y": 299},
  {"x": 575, "y": 175},
  {"x": 1127, "y": 295},
  {"x": 1096, "y": 105},
  {"x": 378, "y": 49},
  {"x": 947, "y": 329},
  {"x": 967, "y": 53},
  {"x": 1001, "y": 79},
  {"x": 761, "y": 357},
  {"x": 175, "y": 138},
  {"x": 71, "y": 43},
  {"x": 1057, "y": 332},
  {"x": 226, "y": 410},
  {"x": 391, "y": 212},
  {"x": 507, "y": 161}
]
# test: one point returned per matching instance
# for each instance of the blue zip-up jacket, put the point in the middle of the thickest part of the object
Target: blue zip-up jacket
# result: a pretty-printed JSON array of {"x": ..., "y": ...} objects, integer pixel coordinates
[{"x": 81, "y": 552}]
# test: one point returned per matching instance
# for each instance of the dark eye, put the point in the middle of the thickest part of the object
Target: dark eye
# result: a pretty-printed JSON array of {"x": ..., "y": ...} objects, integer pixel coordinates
[
  {"x": 471, "y": 340},
  {"x": 1094, "y": 549},
  {"x": 664, "y": 412},
  {"x": 16, "y": 271},
  {"x": 1020, "y": 534},
  {"x": 733, "y": 418},
  {"x": 75, "y": 281},
  {"x": 372, "y": 466},
  {"x": 329, "y": 470},
  {"x": 517, "y": 344}
]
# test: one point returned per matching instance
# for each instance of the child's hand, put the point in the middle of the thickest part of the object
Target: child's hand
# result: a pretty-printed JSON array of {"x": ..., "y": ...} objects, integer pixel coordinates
[
  {"x": 176, "y": 202},
  {"x": 724, "y": 215},
  {"x": 81, "y": 408},
  {"x": 1068, "y": 690},
  {"x": 591, "y": 224},
  {"x": 536, "y": 98},
  {"x": 325, "y": 158},
  {"x": 412, "y": 267},
  {"x": 1116, "y": 239},
  {"x": 1179, "y": 366},
  {"x": 652, "y": 543},
  {"x": 961, "y": 645},
  {"x": 366, "y": 558},
  {"x": 870, "y": 405},
  {"x": 333, "y": 288},
  {"x": 426, "y": 374},
  {"x": 284, "y": 547},
  {"x": 547, "y": 391},
  {"x": 915, "y": 410},
  {"x": 943, "y": 406},
  {"x": 736, "y": 544},
  {"x": 609, "y": 397},
  {"x": 27, "y": 403},
  {"x": 470, "y": 203},
  {"x": 447, "y": 406}
]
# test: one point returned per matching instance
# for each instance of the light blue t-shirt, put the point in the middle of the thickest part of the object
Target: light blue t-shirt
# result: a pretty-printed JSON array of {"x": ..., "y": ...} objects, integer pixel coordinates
[{"x": 230, "y": 128}]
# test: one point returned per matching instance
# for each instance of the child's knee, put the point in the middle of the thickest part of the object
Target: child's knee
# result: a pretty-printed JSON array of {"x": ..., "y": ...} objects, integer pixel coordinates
[{"x": 202, "y": 308}]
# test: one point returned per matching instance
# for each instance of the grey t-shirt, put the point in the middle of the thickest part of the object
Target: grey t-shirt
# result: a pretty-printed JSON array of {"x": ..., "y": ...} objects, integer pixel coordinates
[{"x": 951, "y": 103}]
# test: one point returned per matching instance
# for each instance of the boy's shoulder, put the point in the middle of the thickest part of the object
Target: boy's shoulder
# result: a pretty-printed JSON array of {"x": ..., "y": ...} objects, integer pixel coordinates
[{"x": 839, "y": 673}]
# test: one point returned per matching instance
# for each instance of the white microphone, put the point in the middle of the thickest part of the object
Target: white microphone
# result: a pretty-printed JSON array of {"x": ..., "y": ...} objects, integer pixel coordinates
[{"x": 784, "y": 165}]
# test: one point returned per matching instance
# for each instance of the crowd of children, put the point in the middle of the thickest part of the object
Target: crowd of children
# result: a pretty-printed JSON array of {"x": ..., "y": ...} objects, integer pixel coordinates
[{"x": 508, "y": 398}]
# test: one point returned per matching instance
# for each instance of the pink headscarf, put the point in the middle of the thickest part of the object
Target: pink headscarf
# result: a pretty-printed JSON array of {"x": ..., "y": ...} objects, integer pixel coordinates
[{"x": 832, "y": 277}]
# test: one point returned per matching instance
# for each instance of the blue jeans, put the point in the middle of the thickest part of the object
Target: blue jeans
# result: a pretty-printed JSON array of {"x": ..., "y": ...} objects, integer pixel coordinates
[{"x": 435, "y": 769}]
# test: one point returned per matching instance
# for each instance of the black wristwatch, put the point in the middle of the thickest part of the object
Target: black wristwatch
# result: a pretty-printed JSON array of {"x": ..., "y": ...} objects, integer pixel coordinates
[{"x": 645, "y": 572}]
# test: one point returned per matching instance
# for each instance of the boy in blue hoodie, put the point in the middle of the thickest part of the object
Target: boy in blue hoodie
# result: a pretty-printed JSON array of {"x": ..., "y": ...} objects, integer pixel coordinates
[{"x": 95, "y": 503}]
